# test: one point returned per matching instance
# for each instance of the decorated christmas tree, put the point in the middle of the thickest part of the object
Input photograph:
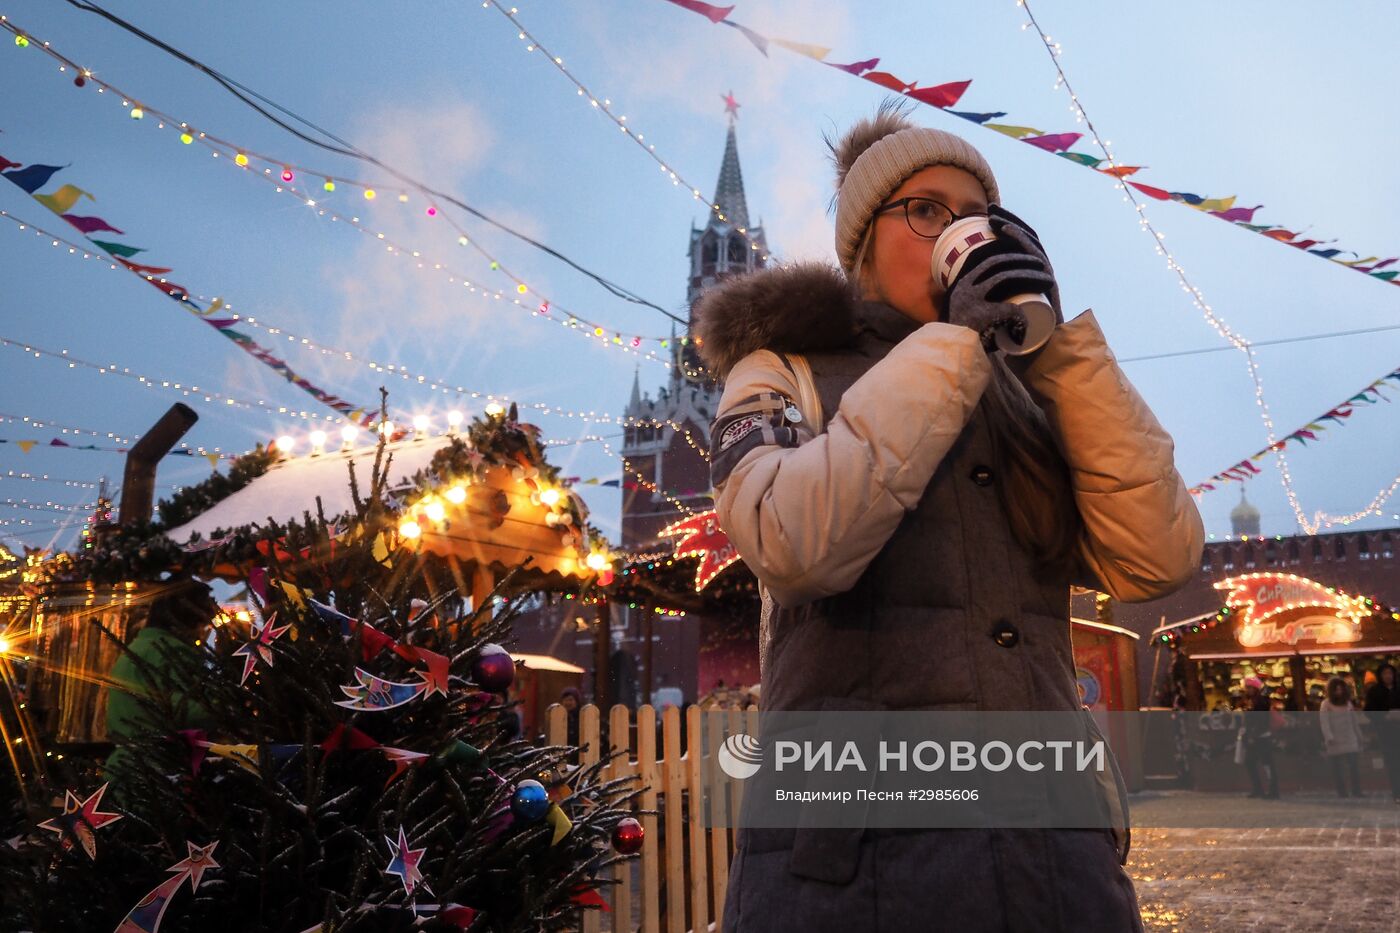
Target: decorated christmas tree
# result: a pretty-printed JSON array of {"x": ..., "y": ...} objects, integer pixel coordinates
[{"x": 344, "y": 761}]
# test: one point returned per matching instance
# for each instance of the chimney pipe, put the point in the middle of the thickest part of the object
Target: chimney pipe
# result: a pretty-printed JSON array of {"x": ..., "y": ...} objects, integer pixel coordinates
[{"x": 139, "y": 481}]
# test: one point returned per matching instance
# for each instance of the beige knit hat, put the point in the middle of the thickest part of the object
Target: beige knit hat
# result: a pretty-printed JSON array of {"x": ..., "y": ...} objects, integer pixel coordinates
[{"x": 876, "y": 156}]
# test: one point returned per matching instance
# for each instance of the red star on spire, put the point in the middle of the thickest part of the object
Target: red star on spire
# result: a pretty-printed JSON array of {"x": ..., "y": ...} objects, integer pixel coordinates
[{"x": 731, "y": 106}]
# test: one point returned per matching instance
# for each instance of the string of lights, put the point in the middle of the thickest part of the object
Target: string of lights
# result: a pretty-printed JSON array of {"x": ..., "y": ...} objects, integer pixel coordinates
[
  {"x": 112, "y": 369},
  {"x": 43, "y": 423},
  {"x": 1372, "y": 508},
  {"x": 390, "y": 369},
  {"x": 1320, "y": 519},
  {"x": 45, "y": 478},
  {"x": 48, "y": 505},
  {"x": 340, "y": 146},
  {"x": 648, "y": 484},
  {"x": 283, "y": 175},
  {"x": 546, "y": 309},
  {"x": 604, "y": 106}
]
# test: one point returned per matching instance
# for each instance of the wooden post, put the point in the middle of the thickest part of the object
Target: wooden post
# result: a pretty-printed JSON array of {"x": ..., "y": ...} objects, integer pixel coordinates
[
  {"x": 673, "y": 779},
  {"x": 602, "y": 648},
  {"x": 620, "y": 766},
  {"x": 693, "y": 774},
  {"x": 650, "y": 776},
  {"x": 589, "y": 753}
]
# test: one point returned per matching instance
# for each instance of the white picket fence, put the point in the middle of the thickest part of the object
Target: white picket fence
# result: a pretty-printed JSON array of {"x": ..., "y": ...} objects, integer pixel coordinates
[{"x": 679, "y": 882}]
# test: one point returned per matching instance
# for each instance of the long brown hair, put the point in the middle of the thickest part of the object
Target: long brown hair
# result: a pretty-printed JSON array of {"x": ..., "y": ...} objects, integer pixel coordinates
[{"x": 1036, "y": 490}]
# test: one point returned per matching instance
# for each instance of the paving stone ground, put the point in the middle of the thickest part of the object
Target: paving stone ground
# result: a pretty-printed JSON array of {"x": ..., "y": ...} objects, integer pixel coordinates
[{"x": 1303, "y": 864}]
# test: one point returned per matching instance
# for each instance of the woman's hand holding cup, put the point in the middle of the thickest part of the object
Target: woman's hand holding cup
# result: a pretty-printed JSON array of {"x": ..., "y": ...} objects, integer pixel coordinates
[{"x": 999, "y": 280}]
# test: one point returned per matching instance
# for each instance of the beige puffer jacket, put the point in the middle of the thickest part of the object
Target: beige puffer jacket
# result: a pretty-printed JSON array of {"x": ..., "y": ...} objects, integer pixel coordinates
[{"x": 810, "y": 513}]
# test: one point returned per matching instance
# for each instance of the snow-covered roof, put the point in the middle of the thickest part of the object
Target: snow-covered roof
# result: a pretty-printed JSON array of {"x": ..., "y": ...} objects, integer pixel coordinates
[{"x": 290, "y": 487}]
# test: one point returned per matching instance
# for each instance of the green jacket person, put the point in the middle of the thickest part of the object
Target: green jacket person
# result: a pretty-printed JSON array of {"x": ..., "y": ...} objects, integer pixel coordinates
[{"x": 176, "y": 621}]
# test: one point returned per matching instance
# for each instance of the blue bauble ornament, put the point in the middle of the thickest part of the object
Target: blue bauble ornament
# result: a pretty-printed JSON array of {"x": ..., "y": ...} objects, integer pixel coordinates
[
  {"x": 494, "y": 669},
  {"x": 530, "y": 801}
]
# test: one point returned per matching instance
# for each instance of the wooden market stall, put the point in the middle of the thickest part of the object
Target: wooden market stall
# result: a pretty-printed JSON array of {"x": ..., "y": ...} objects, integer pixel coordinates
[{"x": 468, "y": 517}]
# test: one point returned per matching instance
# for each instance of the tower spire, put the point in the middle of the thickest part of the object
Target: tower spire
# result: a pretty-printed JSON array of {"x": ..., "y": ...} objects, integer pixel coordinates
[
  {"x": 634, "y": 404},
  {"x": 729, "y": 191}
]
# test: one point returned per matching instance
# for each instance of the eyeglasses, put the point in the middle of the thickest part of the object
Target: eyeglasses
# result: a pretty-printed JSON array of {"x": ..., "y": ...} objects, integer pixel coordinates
[{"x": 926, "y": 217}]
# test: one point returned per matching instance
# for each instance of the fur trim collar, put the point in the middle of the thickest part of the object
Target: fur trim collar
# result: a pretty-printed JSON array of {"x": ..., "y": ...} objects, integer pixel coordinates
[{"x": 798, "y": 308}]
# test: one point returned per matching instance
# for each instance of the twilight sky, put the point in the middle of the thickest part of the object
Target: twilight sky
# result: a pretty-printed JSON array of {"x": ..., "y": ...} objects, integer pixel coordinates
[{"x": 1270, "y": 102}]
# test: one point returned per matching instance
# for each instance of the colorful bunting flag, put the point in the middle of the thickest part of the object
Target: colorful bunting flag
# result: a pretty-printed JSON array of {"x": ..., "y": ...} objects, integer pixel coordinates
[
  {"x": 760, "y": 42},
  {"x": 714, "y": 14},
  {"x": 90, "y": 224},
  {"x": 1246, "y": 469},
  {"x": 62, "y": 200},
  {"x": 819, "y": 52},
  {"x": 1053, "y": 142},
  {"x": 944, "y": 95},
  {"x": 978, "y": 117},
  {"x": 1151, "y": 192},
  {"x": 1238, "y": 215},
  {"x": 36, "y": 176},
  {"x": 1015, "y": 132},
  {"x": 855, "y": 68},
  {"x": 885, "y": 79},
  {"x": 33, "y": 178},
  {"x": 119, "y": 249}
]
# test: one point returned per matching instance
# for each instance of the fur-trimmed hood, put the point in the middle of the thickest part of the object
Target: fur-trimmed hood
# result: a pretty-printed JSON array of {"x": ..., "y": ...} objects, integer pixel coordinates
[{"x": 798, "y": 308}]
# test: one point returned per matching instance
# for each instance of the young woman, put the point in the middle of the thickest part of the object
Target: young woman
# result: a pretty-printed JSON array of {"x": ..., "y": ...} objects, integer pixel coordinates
[
  {"x": 1341, "y": 736},
  {"x": 919, "y": 550}
]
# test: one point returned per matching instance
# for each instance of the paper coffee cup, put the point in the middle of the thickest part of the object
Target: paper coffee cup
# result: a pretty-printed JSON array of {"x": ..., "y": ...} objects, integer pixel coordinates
[
  {"x": 962, "y": 238},
  {"x": 955, "y": 244}
]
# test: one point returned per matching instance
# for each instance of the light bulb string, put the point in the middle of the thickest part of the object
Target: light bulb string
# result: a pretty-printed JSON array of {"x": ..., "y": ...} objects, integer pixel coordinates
[
  {"x": 341, "y": 147},
  {"x": 209, "y": 395},
  {"x": 1221, "y": 327},
  {"x": 604, "y": 105},
  {"x": 85, "y": 252}
]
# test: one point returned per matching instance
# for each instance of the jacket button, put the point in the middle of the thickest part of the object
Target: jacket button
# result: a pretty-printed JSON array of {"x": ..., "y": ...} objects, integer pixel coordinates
[
  {"x": 982, "y": 475},
  {"x": 1005, "y": 634}
]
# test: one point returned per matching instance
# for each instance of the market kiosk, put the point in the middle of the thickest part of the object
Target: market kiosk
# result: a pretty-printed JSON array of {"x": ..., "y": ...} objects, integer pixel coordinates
[{"x": 1294, "y": 634}]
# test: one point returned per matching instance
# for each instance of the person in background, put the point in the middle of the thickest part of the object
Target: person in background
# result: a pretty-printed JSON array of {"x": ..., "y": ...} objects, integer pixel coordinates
[
  {"x": 1341, "y": 736},
  {"x": 174, "y": 628},
  {"x": 571, "y": 698},
  {"x": 1383, "y": 710},
  {"x": 1259, "y": 740}
]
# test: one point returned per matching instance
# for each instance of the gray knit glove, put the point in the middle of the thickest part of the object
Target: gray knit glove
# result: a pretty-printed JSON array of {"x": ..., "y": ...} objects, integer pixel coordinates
[{"x": 1013, "y": 264}]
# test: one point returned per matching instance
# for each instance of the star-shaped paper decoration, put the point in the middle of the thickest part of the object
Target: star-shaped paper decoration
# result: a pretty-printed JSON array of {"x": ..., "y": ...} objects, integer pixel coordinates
[
  {"x": 435, "y": 679},
  {"x": 401, "y": 758},
  {"x": 731, "y": 106},
  {"x": 405, "y": 862},
  {"x": 200, "y": 860},
  {"x": 260, "y": 646},
  {"x": 79, "y": 819}
]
